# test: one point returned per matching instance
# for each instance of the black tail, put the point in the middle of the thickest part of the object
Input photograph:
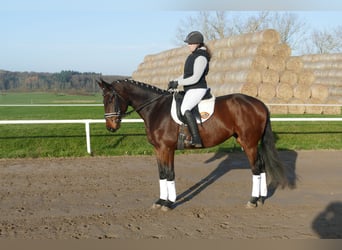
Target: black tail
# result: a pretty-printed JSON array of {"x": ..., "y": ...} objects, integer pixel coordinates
[{"x": 274, "y": 169}]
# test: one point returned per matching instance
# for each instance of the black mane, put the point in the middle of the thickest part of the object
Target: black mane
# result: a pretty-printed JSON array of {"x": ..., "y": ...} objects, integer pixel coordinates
[{"x": 144, "y": 86}]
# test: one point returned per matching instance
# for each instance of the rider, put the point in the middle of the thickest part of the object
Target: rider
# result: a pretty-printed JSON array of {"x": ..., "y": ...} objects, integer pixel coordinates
[{"x": 196, "y": 68}]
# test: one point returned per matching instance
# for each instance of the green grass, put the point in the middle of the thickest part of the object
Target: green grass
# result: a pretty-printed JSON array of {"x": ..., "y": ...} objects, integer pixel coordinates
[{"x": 68, "y": 140}]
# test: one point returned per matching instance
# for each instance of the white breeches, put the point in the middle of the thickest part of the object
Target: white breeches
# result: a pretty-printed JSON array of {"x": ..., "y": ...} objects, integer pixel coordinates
[{"x": 191, "y": 99}]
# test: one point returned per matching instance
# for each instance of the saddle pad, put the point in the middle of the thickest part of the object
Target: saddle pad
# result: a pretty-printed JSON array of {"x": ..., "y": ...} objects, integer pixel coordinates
[{"x": 205, "y": 107}]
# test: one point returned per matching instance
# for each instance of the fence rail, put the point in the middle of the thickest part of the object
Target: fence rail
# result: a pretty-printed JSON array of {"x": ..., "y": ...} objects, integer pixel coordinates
[{"x": 87, "y": 123}]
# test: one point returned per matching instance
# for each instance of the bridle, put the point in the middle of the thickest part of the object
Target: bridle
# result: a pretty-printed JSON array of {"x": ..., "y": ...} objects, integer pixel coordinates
[{"x": 117, "y": 112}]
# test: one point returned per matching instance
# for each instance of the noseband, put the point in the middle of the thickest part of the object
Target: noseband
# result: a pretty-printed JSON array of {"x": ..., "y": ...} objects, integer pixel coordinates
[{"x": 117, "y": 111}]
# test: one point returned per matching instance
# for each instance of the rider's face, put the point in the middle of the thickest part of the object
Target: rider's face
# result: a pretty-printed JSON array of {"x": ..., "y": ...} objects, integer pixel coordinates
[{"x": 193, "y": 46}]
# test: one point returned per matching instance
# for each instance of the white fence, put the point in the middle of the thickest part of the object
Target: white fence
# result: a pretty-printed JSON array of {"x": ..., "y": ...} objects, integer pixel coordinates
[{"x": 87, "y": 123}]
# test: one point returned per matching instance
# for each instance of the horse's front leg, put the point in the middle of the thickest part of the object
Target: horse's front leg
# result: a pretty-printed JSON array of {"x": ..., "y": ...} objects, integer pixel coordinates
[{"x": 167, "y": 197}]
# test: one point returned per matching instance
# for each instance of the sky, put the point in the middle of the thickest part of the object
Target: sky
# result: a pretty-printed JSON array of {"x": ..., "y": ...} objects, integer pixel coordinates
[{"x": 113, "y": 37}]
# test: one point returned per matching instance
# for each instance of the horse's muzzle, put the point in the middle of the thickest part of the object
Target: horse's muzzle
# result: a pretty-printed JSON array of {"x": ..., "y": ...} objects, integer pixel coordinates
[{"x": 111, "y": 129}]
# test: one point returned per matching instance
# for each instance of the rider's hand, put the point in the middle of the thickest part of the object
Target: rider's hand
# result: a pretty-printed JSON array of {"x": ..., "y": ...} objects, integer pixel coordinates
[{"x": 172, "y": 85}]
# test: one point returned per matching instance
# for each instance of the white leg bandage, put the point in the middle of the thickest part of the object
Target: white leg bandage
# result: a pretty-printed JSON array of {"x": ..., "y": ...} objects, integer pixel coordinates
[
  {"x": 263, "y": 185},
  {"x": 163, "y": 189},
  {"x": 171, "y": 188},
  {"x": 256, "y": 186}
]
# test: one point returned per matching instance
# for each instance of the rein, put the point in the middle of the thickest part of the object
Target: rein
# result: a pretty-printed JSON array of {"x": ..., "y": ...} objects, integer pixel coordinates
[{"x": 117, "y": 113}]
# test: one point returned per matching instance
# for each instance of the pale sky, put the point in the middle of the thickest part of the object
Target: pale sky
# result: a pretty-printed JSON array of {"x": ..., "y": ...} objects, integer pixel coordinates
[{"x": 113, "y": 37}]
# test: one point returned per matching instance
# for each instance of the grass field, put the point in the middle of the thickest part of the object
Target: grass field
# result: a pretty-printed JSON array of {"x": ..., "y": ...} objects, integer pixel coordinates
[{"x": 68, "y": 140}]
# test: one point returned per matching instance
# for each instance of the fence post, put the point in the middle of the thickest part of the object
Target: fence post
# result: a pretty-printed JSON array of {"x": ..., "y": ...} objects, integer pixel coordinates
[{"x": 87, "y": 129}]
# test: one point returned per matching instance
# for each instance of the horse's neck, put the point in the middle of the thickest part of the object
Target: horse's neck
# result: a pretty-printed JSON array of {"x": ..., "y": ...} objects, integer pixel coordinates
[{"x": 140, "y": 98}]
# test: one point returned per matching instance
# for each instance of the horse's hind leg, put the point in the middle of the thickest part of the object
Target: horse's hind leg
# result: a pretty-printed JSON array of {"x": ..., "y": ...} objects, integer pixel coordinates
[{"x": 259, "y": 186}]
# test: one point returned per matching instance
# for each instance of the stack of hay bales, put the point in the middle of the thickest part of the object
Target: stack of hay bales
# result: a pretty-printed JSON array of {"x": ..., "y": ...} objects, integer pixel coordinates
[
  {"x": 256, "y": 64},
  {"x": 327, "y": 69}
]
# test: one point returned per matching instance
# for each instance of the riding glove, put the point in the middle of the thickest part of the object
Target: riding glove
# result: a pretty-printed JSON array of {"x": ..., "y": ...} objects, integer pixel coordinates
[{"x": 173, "y": 85}]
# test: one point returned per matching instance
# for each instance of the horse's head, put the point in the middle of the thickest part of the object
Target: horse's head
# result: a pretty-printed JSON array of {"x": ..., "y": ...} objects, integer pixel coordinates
[{"x": 114, "y": 105}]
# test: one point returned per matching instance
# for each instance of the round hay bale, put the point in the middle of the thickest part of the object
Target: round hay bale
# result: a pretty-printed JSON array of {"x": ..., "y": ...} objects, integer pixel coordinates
[
  {"x": 306, "y": 77},
  {"x": 270, "y": 36},
  {"x": 243, "y": 76},
  {"x": 302, "y": 92},
  {"x": 216, "y": 78},
  {"x": 250, "y": 89},
  {"x": 297, "y": 108},
  {"x": 284, "y": 91},
  {"x": 322, "y": 57},
  {"x": 276, "y": 63},
  {"x": 313, "y": 109},
  {"x": 282, "y": 50},
  {"x": 319, "y": 91},
  {"x": 335, "y": 91},
  {"x": 262, "y": 49},
  {"x": 270, "y": 76},
  {"x": 289, "y": 77},
  {"x": 294, "y": 63},
  {"x": 266, "y": 90},
  {"x": 231, "y": 88},
  {"x": 278, "y": 109},
  {"x": 332, "y": 110}
]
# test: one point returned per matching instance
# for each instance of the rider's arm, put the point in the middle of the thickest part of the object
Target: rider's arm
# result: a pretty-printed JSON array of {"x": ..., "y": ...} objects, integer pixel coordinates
[{"x": 200, "y": 65}]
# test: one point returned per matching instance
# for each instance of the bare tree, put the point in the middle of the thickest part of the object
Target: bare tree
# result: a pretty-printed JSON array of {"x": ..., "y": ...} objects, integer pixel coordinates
[
  {"x": 325, "y": 41},
  {"x": 215, "y": 25}
]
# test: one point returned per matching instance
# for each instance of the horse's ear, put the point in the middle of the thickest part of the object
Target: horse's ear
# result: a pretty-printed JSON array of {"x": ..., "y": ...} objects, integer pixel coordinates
[{"x": 102, "y": 83}]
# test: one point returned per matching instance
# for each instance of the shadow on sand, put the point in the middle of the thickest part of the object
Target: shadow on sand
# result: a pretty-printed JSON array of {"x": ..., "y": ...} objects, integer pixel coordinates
[
  {"x": 328, "y": 224},
  {"x": 237, "y": 161}
]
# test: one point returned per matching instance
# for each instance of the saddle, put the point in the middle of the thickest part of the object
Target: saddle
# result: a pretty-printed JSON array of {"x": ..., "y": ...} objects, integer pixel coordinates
[{"x": 202, "y": 112}]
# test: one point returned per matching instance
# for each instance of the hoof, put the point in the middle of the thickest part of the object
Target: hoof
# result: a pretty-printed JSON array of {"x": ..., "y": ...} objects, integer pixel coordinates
[
  {"x": 251, "y": 205},
  {"x": 167, "y": 206},
  {"x": 261, "y": 201},
  {"x": 164, "y": 205},
  {"x": 158, "y": 204}
]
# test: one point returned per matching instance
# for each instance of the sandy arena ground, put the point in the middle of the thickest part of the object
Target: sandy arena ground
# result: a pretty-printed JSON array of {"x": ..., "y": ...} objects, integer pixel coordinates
[{"x": 111, "y": 197}]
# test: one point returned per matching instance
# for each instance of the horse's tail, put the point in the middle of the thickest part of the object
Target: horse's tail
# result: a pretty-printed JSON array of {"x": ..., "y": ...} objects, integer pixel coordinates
[{"x": 270, "y": 157}]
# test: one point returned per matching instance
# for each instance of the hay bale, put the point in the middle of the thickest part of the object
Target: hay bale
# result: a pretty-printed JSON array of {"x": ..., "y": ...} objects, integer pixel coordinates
[
  {"x": 289, "y": 77},
  {"x": 306, "y": 77},
  {"x": 335, "y": 91},
  {"x": 284, "y": 91},
  {"x": 216, "y": 78},
  {"x": 266, "y": 90},
  {"x": 322, "y": 57},
  {"x": 281, "y": 50},
  {"x": 276, "y": 63},
  {"x": 269, "y": 36},
  {"x": 332, "y": 110},
  {"x": 249, "y": 62},
  {"x": 262, "y": 49},
  {"x": 297, "y": 108},
  {"x": 319, "y": 92},
  {"x": 313, "y": 109},
  {"x": 302, "y": 92},
  {"x": 294, "y": 63},
  {"x": 270, "y": 76},
  {"x": 250, "y": 89},
  {"x": 243, "y": 76},
  {"x": 278, "y": 109}
]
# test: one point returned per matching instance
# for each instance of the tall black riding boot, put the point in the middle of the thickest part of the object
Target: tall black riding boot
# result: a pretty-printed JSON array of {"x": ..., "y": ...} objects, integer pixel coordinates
[{"x": 191, "y": 121}]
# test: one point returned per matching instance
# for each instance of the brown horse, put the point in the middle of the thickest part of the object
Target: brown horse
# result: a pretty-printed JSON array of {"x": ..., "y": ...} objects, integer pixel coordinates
[{"x": 244, "y": 117}]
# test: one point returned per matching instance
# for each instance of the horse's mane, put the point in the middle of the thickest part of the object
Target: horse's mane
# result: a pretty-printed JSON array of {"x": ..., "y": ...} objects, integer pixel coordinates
[{"x": 144, "y": 86}]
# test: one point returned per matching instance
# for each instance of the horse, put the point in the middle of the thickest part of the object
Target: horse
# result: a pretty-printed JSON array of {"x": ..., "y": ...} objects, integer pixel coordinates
[{"x": 235, "y": 115}]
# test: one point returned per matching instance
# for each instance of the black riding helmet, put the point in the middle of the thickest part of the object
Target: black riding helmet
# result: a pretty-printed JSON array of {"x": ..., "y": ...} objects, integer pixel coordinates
[{"x": 194, "y": 37}]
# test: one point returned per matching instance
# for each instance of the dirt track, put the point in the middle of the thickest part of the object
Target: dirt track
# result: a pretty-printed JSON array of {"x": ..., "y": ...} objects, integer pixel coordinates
[{"x": 110, "y": 197}]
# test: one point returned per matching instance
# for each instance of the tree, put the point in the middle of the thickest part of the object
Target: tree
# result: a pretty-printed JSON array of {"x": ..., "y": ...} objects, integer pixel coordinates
[
  {"x": 322, "y": 42},
  {"x": 215, "y": 25}
]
